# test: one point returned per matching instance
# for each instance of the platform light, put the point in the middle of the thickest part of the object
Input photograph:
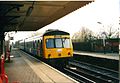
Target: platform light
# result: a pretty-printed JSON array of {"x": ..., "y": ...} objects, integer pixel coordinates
[{"x": 29, "y": 11}]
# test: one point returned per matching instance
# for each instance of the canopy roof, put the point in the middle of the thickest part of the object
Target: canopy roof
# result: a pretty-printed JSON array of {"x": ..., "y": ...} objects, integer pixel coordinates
[{"x": 33, "y": 15}]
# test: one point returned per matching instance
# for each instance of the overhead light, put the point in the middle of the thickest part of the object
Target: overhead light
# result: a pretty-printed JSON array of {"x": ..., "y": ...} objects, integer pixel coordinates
[
  {"x": 99, "y": 22},
  {"x": 29, "y": 11}
]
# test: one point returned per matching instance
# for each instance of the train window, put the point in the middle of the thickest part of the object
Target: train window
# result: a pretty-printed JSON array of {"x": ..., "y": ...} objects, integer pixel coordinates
[
  {"x": 33, "y": 44},
  {"x": 38, "y": 43},
  {"x": 66, "y": 43},
  {"x": 50, "y": 43},
  {"x": 58, "y": 43}
]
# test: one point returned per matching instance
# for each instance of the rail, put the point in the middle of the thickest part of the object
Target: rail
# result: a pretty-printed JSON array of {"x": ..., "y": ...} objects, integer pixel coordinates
[{"x": 95, "y": 73}]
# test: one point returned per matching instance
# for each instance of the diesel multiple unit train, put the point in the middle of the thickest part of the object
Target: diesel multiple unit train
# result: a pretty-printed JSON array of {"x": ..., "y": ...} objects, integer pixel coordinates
[{"x": 53, "y": 45}]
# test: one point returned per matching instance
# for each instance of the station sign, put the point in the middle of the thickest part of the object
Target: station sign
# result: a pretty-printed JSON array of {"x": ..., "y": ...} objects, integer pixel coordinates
[{"x": 11, "y": 38}]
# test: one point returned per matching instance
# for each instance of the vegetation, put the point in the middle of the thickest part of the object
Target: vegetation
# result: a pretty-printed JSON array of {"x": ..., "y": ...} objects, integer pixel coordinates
[
  {"x": 86, "y": 40},
  {"x": 86, "y": 35}
]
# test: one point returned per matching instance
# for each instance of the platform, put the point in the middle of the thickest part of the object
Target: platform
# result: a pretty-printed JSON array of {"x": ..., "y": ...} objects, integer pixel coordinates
[
  {"x": 26, "y": 69},
  {"x": 114, "y": 56}
]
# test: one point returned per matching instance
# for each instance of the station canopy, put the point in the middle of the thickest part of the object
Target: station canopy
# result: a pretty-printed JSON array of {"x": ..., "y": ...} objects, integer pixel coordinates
[{"x": 33, "y": 15}]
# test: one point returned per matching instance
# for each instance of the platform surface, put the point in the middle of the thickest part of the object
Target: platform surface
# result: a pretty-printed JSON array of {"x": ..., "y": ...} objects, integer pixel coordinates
[
  {"x": 24, "y": 69},
  {"x": 114, "y": 56}
]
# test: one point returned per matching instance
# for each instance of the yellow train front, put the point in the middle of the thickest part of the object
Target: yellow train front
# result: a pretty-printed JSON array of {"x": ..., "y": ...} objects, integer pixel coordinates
[{"x": 57, "y": 46}]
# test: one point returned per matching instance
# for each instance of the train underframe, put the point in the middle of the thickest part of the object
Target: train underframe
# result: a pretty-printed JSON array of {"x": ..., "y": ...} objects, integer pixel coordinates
[
  {"x": 55, "y": 62},
  {"x": 59, "y": 62}
]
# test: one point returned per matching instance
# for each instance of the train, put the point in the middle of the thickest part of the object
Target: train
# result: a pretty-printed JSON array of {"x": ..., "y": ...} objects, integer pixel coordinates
[{"x": 54, "y": 46}]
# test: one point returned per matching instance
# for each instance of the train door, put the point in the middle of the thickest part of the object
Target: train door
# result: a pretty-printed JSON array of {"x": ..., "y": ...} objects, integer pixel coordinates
[
  {"x": 24, "y": 45},
  {"x": 38, "y": 47},
  {"x": 41, "y": 48}
]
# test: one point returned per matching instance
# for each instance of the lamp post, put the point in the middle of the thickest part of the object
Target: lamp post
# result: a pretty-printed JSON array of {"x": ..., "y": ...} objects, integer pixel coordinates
[
  {"x": 103, "y": 38},
  {"x": 104, "y": 35}
]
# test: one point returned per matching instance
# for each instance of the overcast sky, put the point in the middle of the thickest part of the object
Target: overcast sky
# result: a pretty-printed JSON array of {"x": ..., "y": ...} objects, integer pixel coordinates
[{"x": 104, "y": 11}]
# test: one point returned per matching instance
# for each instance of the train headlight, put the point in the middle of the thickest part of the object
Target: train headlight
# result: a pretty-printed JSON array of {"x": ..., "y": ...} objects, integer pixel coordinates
[
  {"x": 59, "y": 54},
  {"x": 49, "y": 55},
  {"x": 69, "y": 53},
  {"x": 59, "y": 50}
]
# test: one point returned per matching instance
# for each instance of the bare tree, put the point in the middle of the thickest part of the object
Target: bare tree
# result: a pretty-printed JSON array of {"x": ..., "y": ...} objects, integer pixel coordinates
[
  {"x": 83, "y": 35},
  {"x": 111, "y": 32}
]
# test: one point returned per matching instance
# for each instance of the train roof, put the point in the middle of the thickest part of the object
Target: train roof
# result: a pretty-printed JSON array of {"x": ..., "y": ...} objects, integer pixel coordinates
[
  {"x": 55, "y": 32},
  {"x": 48, "y": 32},
  {"x": 33, "y": 38}
]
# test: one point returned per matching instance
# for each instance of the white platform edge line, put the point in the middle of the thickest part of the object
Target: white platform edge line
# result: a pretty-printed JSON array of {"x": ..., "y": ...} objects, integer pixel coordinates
[{"x": 93, "y": 55}]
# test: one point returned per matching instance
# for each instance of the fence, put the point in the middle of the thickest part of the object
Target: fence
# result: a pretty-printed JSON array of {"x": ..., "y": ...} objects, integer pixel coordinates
[{"x": 111, "y": 45}]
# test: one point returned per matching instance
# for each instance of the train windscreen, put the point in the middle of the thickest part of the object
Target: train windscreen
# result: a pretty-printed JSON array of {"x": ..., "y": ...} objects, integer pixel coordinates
[
  {"x": 58, "y": 43},
  {"x": 50, "y": 43},
  {"x": 66, "y": 43}
]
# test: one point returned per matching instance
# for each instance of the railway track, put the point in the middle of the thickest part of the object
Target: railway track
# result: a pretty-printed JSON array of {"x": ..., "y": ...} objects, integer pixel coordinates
[
  {"x": 76, "y": 76},
  {"x": 87, "y": 73}
]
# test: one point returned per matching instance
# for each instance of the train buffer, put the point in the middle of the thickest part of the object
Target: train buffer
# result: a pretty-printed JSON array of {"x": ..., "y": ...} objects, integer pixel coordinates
[{"x": 25, "y": 69}]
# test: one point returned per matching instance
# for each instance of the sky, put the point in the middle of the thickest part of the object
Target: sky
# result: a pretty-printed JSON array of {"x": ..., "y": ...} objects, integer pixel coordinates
[{"x": 104, "y": 11}]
